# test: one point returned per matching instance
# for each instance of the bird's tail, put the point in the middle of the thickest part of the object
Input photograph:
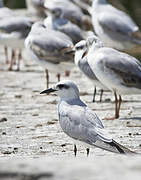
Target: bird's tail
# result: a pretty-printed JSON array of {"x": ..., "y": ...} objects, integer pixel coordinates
[
  {"x": 120, "y": 148},
  {"x": 114, "y": 147}
]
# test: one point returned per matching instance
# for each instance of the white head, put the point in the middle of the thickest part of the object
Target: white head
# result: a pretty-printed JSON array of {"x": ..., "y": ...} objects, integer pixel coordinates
[
  {"x": 65, "y": 89},
  {"x": 81, "y": 48},
  {"x": 80, "y": 51},
  {"x": 94, "y": 42}
]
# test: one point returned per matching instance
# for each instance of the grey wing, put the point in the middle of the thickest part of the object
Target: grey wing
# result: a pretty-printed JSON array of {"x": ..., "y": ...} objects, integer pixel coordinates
[
  {"x": 117, "y": 23},
  {"x": 70, "y": 10},
  {"x": 50, "y": 48},
  {"x": 83, "y": 124},
  {"x": 125, "y": 66},
  {"x": 16, "y": 24},
  {"x": 72, "y": 30},
  {"x": 86, "y": 69}
]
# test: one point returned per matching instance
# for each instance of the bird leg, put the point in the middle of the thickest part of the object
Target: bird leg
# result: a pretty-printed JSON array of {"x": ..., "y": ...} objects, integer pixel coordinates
[
  {"x": 58, "y": 76},
  {"x": 75, "y": 150},
  {"x": 6, "y": 54},
  {"x": 119, "y": 105},
  {"x": 88, "y": 151},
  {"x": 116, "y": 106},
  {"x": 47, "y": 78},
  {"x": 12, "y": 60},
  {"x": 101, "y": 94},
  {"x": 19, "y": 59},
  {"x": 67, "y": 73},
  {"x": 94, "y": 94}
]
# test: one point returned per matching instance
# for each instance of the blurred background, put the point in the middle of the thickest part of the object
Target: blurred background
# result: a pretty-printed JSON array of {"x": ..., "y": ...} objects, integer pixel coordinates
[{"x": 130, "y": 6}]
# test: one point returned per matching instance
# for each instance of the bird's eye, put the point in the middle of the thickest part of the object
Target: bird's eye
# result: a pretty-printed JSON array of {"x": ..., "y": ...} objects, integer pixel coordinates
[
  {"x": 79, "y": 47},
  {"x": 62, "y": 86}
]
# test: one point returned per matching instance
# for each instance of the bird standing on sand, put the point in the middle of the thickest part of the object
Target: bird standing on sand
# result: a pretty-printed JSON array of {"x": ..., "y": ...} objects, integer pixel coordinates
[
  {"x": 50, "y": 48},
  {"x": 80, "y": 59},
  {"x": 13, "y": 31},
  {"x": 119, "y": 72},
  {"x": 81, "y": 123},
  {"x": 114, "y": 27}
]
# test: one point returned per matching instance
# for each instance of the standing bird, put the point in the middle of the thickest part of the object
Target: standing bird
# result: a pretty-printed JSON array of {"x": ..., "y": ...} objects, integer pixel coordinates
[
  {"x": 59, "y": 23},
  {"x": 80, "y": 59},
  {"x": 81, "y": 123},
  {"x": 50, "y": 48},
  {"x": 115, "y": 28},
  {"x": 13, "y": 31},
  {"x": 4, "y": 13},
  {"x": 119, "y": 72},
  {"x": 71, "y": 12}
]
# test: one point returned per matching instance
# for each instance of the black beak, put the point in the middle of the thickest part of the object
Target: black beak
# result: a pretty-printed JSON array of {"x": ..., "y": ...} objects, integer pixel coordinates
[
  {"x": 47, "y": 91},
  {"x": 71, "y": 50}
]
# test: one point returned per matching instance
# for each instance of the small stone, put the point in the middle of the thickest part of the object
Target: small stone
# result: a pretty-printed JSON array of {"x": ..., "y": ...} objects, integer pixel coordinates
[
  {"x": 35, "y": 114},
  {"x": 18, "y": 96},
  {"x": 3, "y": 119},
  {"x": 3, "y": 133},
  {"x": 130, "y": 134},
  {"x": 15, "y": 149},
  {"x": 63, "y": 145},
  {"x": 7, "y": 152},
  {"x": 50, "y": 142},
  {"x": 51, "y": 122},
  {"x": 107, "y": 100}
]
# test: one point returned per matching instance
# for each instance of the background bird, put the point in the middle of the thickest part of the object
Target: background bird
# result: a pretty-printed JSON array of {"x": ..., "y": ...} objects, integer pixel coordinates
[
  {"x": 60, "y": 23},
  {"x": 80, "y": 59},
  {"x": 71, "y": 12},
  {"x": 119, "y": 72},
  {"x": 13, "y": 31},
  {"x": 114, "y": 27},
  {"x": 50, "y": 48}
]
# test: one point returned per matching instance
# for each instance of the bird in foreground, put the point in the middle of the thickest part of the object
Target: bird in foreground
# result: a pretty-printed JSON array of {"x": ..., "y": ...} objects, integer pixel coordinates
[
  {"x": 50, "y": 49},
  {"x": 119, "y": 72},
  {"x": 80, "y": 59},
  {"x": 114, "y": 27},
  {"x": 81, "y": 123},
  {"x": 13, "y": 31}
]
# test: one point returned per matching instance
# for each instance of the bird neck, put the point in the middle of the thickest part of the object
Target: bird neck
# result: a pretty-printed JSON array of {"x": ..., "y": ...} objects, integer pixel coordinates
[
  {"x": 76, "y": 101},
  {"x": 78, "y": 57}
]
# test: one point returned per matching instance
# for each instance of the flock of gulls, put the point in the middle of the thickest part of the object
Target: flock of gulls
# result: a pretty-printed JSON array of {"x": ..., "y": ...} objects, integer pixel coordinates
[{"x": 94, "y": 36}]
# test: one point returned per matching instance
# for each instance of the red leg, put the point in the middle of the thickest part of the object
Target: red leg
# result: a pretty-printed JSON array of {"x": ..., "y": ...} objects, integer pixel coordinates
[
  {"x": 58, "y": 76},
  {"x": 47, "y": 78},
  {"x": 6, "y": 54},
  {"x": 19, "y": 60},
  {"x": 12, "y": 60}
]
